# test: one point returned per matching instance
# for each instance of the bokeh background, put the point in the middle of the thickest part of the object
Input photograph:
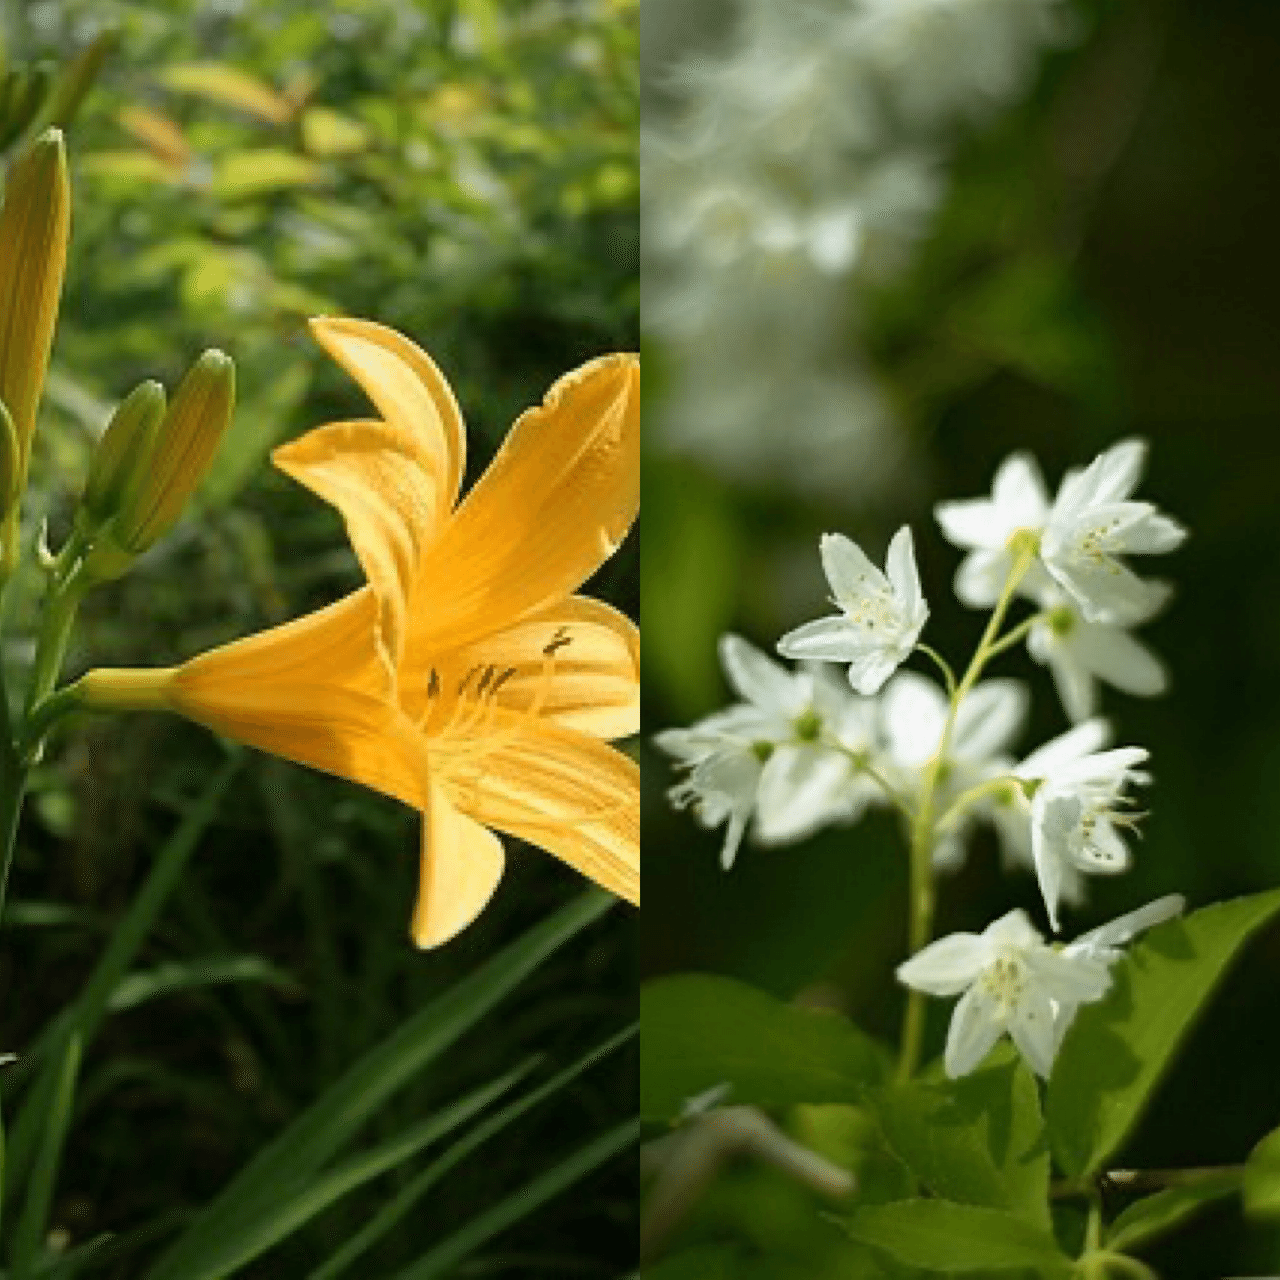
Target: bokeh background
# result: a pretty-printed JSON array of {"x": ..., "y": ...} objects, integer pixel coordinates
[
  {"x": 1098, "y": 259},
  {"x": 462, "y": 170}
]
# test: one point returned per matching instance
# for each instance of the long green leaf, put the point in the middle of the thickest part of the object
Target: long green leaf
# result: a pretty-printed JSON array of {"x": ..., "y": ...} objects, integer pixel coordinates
[
  {"x": 278, "y": 1217},
  {"x": 83, "y": 1018},
  {"x": 334, "y": 1118},
  {"x": 28, "y": 1239},
  {"x": 959, "y": 1238},
  {"x": 1118, "y": 1049},
  {"x": 463, "y": 1243},
  {"x": 395, "y": 1209},
  {"x": 700, "y": 1032},
  {"x": 186, "y": 975}
]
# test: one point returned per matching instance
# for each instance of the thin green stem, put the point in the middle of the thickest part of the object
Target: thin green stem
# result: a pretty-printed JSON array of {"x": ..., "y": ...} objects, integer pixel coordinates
[
  {"x": 13, "y": 788},
  {"x": 948, "y": 676},
  {"x": 923, "y": 828},
  {"x": 967, "y": 799},
  {"x": 1016, "y": 634}
]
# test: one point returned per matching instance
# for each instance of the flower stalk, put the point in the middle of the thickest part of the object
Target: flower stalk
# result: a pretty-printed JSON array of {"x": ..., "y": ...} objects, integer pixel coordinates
[{"x": 924, "y": 828}]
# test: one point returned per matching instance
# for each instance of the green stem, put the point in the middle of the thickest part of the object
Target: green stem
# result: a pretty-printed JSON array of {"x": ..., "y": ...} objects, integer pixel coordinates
[
  {"x": 923, "y": 828},
  {"x": 13, "y": 788},
  {"x": 942, "y": 664},
  {"x": 1015, "y": 635},
  {"x": 967, "y": 799}
]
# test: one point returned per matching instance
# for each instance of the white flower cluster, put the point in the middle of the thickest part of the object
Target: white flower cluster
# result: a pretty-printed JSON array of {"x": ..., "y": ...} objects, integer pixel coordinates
[
  {"x": 806, "y": 160},
  {"x": 806, "y": 748}
]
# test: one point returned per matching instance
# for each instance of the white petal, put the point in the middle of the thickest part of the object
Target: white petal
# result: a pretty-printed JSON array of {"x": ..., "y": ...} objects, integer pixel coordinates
[
  {"x": 851, "y": 575},
  {"x": 801, "y": 789},
  {"x": 1068, "y": 976},
  {"x": 1107, "y": 592},
  {"x": 946, "y": 966},
  {"x": 1118, "y": 658},
  {"x": 900, "y": 568},
  {"x": 1013, "y": 929},
  {"x": 1105, "y": 854},
  {"x": 975, "y": 1027},
  {"x": 1085, "y": 739},
  {"x": 1127, "y": 927},
  {"x": 1101, "y": 766},
  {"x": 759, "y": 679},
  {"x": 981, "y": 577},
  {"x": 1019, "y": 492},
  {"x": 1114, "y": 475},
  {"x": 1153, "y": 534},
  {"x": 833, "y": 639},
  {"x": 914, "y": 711},
  {"x": 869, "y": 672},
  {"x": 733, "y": 839},
  {"x": 989, "y": 719},
  {"x": 1053, "y": 819},
  {"x": 973, "y": 522},
  {"x": 1031, "y": 1029},
  {"x": 1077, "y": 689}
]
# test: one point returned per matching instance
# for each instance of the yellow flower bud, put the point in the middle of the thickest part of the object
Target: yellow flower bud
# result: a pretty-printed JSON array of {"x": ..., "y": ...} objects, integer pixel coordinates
[
  {"x": 10, "y": 488},
  {"x": 123, "y": 455},
  {"x": 185, "y": 444},
  {"x": 34, "y": 225}
]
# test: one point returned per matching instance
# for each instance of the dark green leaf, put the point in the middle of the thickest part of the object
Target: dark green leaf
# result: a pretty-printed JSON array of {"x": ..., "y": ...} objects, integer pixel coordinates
[
  {"x": 959, "y": 1238},
  {"x": 1118, "y": 1049},
  {"x": 1262, "y": 1177},
  {"x": 701, "y": 1032}
]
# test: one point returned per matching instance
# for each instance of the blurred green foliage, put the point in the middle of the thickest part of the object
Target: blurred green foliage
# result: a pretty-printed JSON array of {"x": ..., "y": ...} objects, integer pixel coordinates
[
  {"x": 462, "y": 170},
  {"x": 1105, "y": 265}
]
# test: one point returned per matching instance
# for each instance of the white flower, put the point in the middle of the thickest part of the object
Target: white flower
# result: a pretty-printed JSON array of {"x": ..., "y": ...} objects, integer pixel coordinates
[
  {"x": 1013, "y": 982},
  {"x": 983, "y": 526},
  {"x": 1093, "y": 524},
  {"x": 1075, "y": 813},
  {"x": 1010, "y": 809},
  {"x": 1080, "y": 653},
  {"x": 914, "y": 714},
  {"x": 1104, "y": 943},
  {"x": 881, "y": 614},
  {"x": 787, "y": 754}
]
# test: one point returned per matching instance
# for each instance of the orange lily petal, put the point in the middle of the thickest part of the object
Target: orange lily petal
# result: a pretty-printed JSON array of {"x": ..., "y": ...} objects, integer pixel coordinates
[
  {"x": 575, "y": 664},
  {"x": 564, "y": 792},
  {"x": 462, "y": 863},
  {"x": 380, "y": 477},
  {"x": 554, "y": 504},
  {"x": 310, "y": 691},
  {"x": 408, "y": 389}
]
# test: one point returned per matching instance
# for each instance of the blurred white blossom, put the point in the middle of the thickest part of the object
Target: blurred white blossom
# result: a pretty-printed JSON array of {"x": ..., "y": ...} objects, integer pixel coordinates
[{"x": 804, "y": 162}]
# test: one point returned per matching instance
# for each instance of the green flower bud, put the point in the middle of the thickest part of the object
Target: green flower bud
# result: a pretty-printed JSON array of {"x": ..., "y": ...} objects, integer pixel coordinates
[
  {"x": 34, "y": 225},
  {"x": 123, "y": 454},
  {"x": 185, "y": 443}
]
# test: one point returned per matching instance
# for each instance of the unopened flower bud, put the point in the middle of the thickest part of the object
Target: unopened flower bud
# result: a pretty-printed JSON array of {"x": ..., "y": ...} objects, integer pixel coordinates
[
  {"x": 34, "y": 226},
  {"x": 123, "y": 455},
  {"x": 185, "y": 443},
  {"x": 10, "y": 463}
]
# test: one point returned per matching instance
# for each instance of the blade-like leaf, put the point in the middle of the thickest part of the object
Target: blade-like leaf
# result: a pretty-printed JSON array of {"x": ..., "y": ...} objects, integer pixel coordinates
[
  {"x": 28, "y": 1237},
  {"x": 1117, "y": 1050},
  {"x": 1262, "y": 1177},
  {"x": 277, "y": 1217},
  {"x": 979, "y": 1140},
  {"x": 701, "y": 1032},
  {"x": 396, "y": 1208},
  {"x": 83, "y": 1018},
  {"x": 168, "y": 979},
  {"x": 1160, "y": 1213},
  {"x": 442, "y": 1260},
  {"x": 314, "y": 1136},
  {"x": 959, "y": 1238}
]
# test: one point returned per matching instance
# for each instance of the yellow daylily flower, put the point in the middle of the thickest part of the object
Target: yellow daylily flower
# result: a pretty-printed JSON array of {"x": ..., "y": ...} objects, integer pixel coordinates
[{"x": 465, "y": 678}]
